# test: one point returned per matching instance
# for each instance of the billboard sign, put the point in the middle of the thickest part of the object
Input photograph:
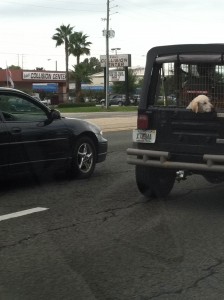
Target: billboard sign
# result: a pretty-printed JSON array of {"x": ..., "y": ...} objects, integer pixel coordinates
[
  {"x": 116, "y": 61},
  {"x": 117, "y": 76},
  {"x": 44, "y": 76}
]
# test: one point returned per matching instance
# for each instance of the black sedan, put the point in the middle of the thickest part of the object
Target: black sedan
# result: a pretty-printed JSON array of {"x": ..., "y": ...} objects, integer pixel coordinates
[{"x": 34, "y": 138}]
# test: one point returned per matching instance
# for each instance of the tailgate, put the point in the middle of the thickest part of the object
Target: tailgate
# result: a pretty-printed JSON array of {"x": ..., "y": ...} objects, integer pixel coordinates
[{"x": 182, "y": 131}]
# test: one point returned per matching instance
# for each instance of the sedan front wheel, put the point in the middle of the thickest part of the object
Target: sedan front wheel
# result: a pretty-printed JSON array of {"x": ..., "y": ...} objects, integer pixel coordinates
[{"x": 84, "y": 158}]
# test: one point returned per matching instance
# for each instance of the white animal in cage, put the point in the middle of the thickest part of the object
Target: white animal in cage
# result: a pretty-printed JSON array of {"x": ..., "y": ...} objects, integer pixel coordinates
[{"x": 200, "y": 104}]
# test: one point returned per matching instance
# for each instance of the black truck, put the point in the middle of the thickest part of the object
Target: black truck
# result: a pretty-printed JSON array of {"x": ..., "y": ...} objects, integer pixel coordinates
[{"x": 172, "y": 142}]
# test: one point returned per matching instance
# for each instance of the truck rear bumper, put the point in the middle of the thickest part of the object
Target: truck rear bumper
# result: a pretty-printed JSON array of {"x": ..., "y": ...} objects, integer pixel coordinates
[{"x": 212, "y": 163}]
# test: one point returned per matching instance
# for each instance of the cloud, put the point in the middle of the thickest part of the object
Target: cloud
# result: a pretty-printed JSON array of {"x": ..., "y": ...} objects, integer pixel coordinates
[{"x": 138, "y": 25}]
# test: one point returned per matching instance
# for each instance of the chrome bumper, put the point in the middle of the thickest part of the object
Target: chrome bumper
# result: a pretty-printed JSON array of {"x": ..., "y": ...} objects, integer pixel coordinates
[{"x": 212, "y": 163}]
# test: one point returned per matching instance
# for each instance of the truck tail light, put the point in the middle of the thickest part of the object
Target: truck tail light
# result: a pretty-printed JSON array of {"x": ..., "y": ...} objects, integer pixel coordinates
[{"x": 143, "y": 122}]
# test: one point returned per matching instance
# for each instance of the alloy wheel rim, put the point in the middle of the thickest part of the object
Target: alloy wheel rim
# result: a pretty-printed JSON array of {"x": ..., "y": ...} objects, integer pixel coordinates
[{"x": 85, "y": 157}]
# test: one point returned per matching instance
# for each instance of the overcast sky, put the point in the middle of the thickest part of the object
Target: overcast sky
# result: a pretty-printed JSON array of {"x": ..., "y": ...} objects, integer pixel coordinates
[{"x": 27, "y": 27}]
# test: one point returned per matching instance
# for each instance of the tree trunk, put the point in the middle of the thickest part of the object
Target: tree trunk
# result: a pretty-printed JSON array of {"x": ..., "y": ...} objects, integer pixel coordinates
[
  {"x": 67, "y": 73},
  {"x": 78, "y": 85},
  {"x": 78, "y": 91}
]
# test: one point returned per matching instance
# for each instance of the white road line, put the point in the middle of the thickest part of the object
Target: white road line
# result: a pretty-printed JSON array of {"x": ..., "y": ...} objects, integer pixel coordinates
[{"x": 22, "y": 213}]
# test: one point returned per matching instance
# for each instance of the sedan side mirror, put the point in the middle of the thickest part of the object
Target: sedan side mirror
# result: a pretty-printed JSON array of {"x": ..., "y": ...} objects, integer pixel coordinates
[{"x": 55, "y": 114}]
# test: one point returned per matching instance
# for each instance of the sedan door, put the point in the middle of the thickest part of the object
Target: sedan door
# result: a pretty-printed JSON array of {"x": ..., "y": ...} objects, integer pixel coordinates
[
  {"x": 4, "y": 148},
  {"x": 36, "y": 141}
]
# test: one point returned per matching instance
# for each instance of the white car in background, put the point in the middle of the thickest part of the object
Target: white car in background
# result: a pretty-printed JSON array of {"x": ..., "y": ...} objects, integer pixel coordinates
[{"x": 45, "y": 101}]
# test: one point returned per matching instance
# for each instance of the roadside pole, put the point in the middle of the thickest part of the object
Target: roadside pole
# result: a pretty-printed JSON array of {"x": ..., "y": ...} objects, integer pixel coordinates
[{"x": 107, "y": 57}]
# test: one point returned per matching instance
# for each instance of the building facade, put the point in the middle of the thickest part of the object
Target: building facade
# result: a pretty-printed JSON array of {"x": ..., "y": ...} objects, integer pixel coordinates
[{"x": 24, "y": 80}]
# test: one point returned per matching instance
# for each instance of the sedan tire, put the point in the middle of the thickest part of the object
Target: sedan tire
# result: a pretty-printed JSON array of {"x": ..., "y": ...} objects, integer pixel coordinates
[{"x": 84, "y": 158}]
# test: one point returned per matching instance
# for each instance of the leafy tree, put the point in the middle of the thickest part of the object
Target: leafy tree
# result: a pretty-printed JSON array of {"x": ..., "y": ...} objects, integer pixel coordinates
[
  {"x": 119, "y": 87},
  {"x": 140, "y": 83},
  {"x": 62, "y": 37},
  {"x": 13, "y": 67},
  {"x": 94, "y": 65}
]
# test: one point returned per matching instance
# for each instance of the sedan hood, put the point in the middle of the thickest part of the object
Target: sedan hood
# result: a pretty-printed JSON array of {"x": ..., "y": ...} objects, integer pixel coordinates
[{"x": 81, "y": 125}]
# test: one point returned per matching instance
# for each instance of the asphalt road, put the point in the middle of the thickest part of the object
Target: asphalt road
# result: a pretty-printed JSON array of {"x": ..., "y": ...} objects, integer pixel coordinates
[{"x": 100, "y": 239}]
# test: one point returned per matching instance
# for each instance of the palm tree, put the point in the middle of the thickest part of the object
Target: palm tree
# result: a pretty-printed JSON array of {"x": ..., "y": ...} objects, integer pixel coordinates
[
  {"x": 62, "y": 37},
  {"x": 78, "y": 46},
  {"x": 81, "y": 74}
]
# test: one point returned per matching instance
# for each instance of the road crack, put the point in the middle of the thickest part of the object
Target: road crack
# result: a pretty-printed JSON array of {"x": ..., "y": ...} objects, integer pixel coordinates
[
  {"x": 211, "y": 271},
  {"x": 35, "y": 235},
  {"x": 112, "y": 211}
]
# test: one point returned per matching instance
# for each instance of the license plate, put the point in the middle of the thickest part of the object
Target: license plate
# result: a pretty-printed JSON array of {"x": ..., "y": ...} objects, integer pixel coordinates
[{"x": 144, "y": 136}]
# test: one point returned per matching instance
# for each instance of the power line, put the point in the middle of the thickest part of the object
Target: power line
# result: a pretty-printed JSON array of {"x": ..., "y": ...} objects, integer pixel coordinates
[
  {"x": 31, "y": 54},
  {"x": 53, "y": 7}
]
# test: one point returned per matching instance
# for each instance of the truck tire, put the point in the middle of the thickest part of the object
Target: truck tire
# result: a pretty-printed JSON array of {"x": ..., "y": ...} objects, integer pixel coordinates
[{"x": 154, "y": 182}]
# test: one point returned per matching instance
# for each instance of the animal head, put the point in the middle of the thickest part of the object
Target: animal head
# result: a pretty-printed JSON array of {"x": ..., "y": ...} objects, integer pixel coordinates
[{"x": 200, "y": 104}]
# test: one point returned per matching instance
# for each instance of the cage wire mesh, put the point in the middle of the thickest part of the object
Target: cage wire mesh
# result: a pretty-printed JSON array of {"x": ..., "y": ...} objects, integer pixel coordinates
[{"x": 181, "y": 84}]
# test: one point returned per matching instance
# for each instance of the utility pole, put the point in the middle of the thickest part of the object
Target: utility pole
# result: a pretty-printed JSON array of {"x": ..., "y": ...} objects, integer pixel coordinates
[
  {"x": 22, "y": 61},
  {"x": 107, "y": 57},
  {"x": 108, "y": 34}
]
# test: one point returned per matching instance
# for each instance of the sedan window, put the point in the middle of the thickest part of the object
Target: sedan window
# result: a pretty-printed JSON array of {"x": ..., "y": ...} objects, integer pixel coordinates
[{"x": 20, "y": 109}]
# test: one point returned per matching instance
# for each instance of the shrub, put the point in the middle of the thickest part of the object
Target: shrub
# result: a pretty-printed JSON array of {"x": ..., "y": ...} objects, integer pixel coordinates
[{"x": 81, "y": 104}]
